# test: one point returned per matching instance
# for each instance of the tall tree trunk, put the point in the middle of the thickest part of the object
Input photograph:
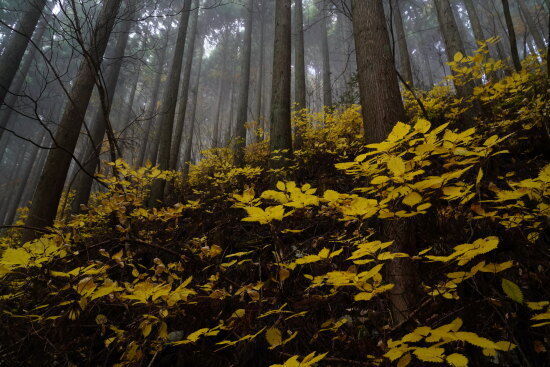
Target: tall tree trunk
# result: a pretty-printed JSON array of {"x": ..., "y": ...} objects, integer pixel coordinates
[
  {"x": 19, "y": 80},
  {"x": 403, "y": 49},
  {"x": 25, "y": 178},
  {"x": 454, "y": 45},
  {"x": 299, "y": 68},
  {"x": 242, "y": 109},
  {"x": 193, "y": 112},
  {"x": 48, "y": 193},
  {"x": 511, "y": 35},
  {"x": 228, "y": 132},
  {"x": 127, "y": 114},
  {"x": 36, "y": 173},
  {"x": 170, "y": 101},
  {"x": 184, "y": 90},
  {"x": 152, "y": 109},
  {"x": 17, "y": 44},
  {"x": 537, "y": 36},
  {"x": 83, "y": 182},
  {"x": 280, "y": 144},
  {"x": 9, "y": 184},
  {"x": 260, "y": 76},
  {"x": 474, "y": 20},
  {"x": 380, "y": 96},
  {"x": 382, "y": 108},
  {"x": 477, "y": 29},
  {"x": 327, "y": 86},
  {"x": 216, "y": 132}
]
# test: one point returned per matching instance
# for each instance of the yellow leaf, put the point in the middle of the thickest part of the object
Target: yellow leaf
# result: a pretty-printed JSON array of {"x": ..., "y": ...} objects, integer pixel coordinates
[
  {"x": 422, "y": 126},
  {"x": 396, "y": 166},
  {"x": 404, "y": 360},
  {"x": 479, "y": 176},
  {"x": 457, "y": 360},
  {"x": 273, "y": 337},
  {"x": 496, "y": 268},
  {"x": 458, "y": 57},
  {"x": 512, "y": 290},
  {"x": 238, "y": 313},
  {"x": 283, "y": 274},
  {"x": 378, "y": 180},
  {"x": 431, "y": 354},
  {"x": 412, "y": 199},
  {"x": 399, "y": 131}
]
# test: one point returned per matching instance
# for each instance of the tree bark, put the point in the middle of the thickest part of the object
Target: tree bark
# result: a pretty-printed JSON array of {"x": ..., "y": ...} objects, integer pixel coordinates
[
  {"x": 193, "y": 112},
  {"x": 327, "y": 86},
  {"x": 228, "y": 132},
  {"x": 260, "y": 76},
  {"x": 299, "y": 68},
  {"x": 19, "y": 80},
  {"x": 477, "y": 29},
  {"x": 152, "y": 110},
  {"x": 403, "y": 49},
  {"x": 48, "y": 193},
  {"x": 474, "y": 20},
  {"x": 454, "y": 45},
  {"x": 17, "y": 44},
  {"x": 170, "y": 100},
  {"x": 511, "y": 35},
  {"x": 242, "y": 109},
  {"x": 184, "y": 90},
  {"x": 16, "y": 167},
  {"x": 539, "y": 40},
  {"x": 83, "y": 182},
  {"x": 382, "y": 108},
  {"x": 25, "y": 178},
  {"x": 379, "y": 89},
  {"x": 216, "y": 132},
  {"x": 280, "y": 143}
]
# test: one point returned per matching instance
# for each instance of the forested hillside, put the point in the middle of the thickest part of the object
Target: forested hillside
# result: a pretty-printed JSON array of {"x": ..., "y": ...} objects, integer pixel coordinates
[{"x": 274, "y": 183}]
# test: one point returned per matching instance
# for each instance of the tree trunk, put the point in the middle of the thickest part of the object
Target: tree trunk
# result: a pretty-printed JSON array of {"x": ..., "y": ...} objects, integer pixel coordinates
[
  {"x": 170, "y": 100},
  {"x": 17, "y": 44},
  {"x": 539, "y": 40},
  {"x": 36, "y": 173},
  {"x": 382, "y": 108},
  {"x": 280, "y": 144},
  {"x": 184, "y": 90},
  {"x": 216, "y": 136},
  {"x": 327, "y": 86},
  {"x": 477, "y": 29},
  {"x": 454, "y": 45},
  {"x": 474, "y": 20},
  {"x": 216, "y": 132},
  {"x": 152, "y": 110},
  {"x": 83, "y": 182},
  {"x": 193, "y": 112},
  {"x": 242, "y": 109},
  {"x": 260, "y": 78},
  {"x": 403, "y": 49},
  {"x": 127, "y": 114},
  {"x": 380, "y": 96},
  {"x": 299, "y": 68},
  {"x": 48, "y": 193},
  {"x": 228, "y": 133},
  {"x": 10, "y": 187},
  {"x": 511, "y": 35},
  {"x": 19, "y": 80},
  {"x": 25, "y": 178}
]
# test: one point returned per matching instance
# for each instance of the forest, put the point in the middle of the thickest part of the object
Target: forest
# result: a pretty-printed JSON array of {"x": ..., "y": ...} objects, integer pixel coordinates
[{"x": 274, "y": 183}]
